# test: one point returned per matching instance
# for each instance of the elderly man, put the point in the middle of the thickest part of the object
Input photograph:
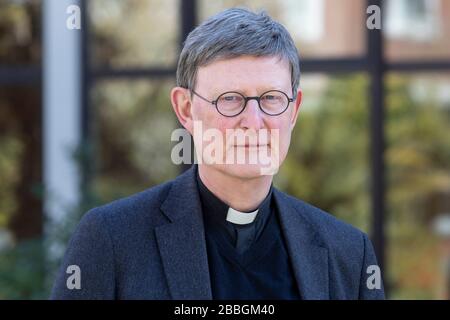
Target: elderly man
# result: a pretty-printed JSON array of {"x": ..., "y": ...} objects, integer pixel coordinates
[{"x": 221, "y": 230}]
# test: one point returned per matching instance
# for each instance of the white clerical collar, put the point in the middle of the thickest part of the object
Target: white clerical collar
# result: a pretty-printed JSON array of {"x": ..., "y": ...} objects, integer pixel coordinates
[{"x": 239, "y": 217}]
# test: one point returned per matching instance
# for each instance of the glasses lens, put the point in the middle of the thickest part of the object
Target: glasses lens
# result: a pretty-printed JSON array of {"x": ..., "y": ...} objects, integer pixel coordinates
[
  {"x": 274, "y": 102},
  {"x": 230, "y": 103}
]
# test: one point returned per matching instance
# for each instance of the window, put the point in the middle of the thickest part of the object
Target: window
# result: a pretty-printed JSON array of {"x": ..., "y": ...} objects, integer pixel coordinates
[
  {"x": 320, "y": 28},
  {"x": 134, "y": 33},
  {"x": 133, "y": 121},
  {"x": 417, "y": 30},
  {"x": 417, "y": 20},
  {"x": 327, "y": 164},
  {"x": 418, "y": 182}
]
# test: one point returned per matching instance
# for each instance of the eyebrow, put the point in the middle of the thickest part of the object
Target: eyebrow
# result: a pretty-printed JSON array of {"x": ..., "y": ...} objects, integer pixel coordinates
[{"x": 259, "y": 91}]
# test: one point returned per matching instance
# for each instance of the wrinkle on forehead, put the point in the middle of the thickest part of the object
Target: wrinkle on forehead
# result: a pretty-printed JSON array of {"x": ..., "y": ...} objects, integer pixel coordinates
[{"x": 245, "y": 74}]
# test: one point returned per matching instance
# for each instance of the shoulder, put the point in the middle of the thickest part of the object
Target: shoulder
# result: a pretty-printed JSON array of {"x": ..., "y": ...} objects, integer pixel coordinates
[
  {"x": 134, "y": 212},
  {"x": 332, "y": 232},
  {"x": 351, "y": 257}
]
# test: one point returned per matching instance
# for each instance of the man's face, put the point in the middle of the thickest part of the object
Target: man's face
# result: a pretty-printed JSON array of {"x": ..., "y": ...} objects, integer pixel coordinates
[{"x": 264, "y": 134}]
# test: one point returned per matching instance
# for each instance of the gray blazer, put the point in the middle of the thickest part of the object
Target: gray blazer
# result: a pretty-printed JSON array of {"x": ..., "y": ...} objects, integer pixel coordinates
[{"x": 151, "y": 245}]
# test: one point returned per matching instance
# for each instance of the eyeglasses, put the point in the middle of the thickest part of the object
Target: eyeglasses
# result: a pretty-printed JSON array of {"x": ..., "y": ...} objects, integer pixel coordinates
[{"x": 231, "y": 103}]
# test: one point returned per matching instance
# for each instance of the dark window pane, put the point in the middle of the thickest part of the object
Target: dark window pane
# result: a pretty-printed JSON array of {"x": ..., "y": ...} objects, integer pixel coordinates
[
  {"x": 134, "y": 122},
  {"x": 20, "y": 38},
  {"x": 134, "y": 33},
  {"x": 320, "y": 28},
  {"x": 20, "y": 162},
  {"x": 327, "y": 164},
  {"x": 418, "y": 181},
  {"x": 417, "y": 29}
]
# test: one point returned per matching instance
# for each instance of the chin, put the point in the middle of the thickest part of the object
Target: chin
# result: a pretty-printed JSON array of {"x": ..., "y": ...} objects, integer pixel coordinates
[
  {"x": 245, "y": 171},
  {"x": 250, "y": 163}
]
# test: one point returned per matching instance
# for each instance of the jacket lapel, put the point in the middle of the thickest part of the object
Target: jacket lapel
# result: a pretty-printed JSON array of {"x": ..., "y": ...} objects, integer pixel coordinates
[
  {"x": 182, "y": 242},
  {"x": 309, "y": 258}
]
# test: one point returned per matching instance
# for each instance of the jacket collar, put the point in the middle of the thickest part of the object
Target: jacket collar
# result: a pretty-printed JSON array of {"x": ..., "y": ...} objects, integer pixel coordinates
[{"x": 182, "y": 244}]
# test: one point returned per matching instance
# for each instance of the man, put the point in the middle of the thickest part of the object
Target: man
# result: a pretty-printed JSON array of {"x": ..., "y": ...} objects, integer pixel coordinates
[{"x": 221, "y": 230}]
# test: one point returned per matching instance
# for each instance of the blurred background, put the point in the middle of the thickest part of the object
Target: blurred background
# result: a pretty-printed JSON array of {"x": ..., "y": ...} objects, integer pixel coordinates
[{"x": 85, "y": 118}]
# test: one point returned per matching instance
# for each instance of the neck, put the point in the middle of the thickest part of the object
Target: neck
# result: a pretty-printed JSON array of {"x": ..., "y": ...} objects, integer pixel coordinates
[{"x": 242, "y": 194}]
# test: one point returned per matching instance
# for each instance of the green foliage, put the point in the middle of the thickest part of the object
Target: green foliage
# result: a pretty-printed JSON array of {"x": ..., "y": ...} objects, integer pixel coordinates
[{"x": 23, "y": 271}]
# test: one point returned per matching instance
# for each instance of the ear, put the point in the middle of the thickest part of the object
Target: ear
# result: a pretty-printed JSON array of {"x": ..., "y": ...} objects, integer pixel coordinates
[
  {"x": 297, "y": 104},
  {"x": 181, "y": 104}
]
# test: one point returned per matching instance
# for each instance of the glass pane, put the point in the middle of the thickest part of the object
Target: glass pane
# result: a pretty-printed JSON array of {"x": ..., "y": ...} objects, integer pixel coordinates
[
  {"x": 20, "y": 38},
  {"x": 134, "y": 33},
  {"x": 417, "y": 29},
  {"x": 418, "y": 180},
  {"x": 20, "y": 160},
  {"x": 134, "y": 122},
  {"x": 327, "y": 163},
  {"x": 320, "y": 28},
  {"x": 22, "y": 269}
]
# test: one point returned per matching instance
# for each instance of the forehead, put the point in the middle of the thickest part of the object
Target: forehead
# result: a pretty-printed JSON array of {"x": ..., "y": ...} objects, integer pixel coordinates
[{"x": 245, "y": 72}]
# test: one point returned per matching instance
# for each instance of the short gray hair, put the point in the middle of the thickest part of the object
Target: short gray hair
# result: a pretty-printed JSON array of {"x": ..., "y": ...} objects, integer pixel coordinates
[{"x": 232, "y": 33}]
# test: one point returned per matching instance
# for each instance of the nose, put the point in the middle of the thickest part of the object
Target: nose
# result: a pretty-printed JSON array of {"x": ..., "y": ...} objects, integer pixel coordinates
[{"x": 252, "y": 117}]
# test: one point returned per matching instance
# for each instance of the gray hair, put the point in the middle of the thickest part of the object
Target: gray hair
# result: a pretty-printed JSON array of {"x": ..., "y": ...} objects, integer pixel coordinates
[{"x": 232, "y": 33}]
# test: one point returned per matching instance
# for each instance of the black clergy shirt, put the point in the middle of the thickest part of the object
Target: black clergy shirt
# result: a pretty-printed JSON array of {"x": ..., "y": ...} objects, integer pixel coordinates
[{"x": 247, "y": 261}]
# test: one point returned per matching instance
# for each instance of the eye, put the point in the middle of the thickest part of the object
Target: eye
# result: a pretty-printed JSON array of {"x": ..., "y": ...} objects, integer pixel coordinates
[
  {"x": 229, "y": 98},
  {"x": 272, "y": 97}
]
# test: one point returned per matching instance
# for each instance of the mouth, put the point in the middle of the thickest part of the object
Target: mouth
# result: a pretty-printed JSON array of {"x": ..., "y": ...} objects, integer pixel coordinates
[{"x": 252, "y": 146}]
